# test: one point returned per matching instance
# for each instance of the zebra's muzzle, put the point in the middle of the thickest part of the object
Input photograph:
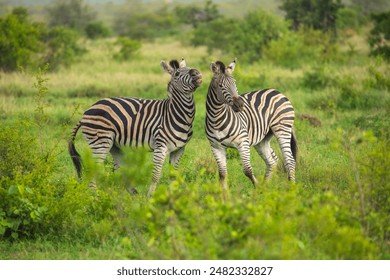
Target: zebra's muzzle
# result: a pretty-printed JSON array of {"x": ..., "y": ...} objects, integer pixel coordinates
[{"x": 197, "y": 80}]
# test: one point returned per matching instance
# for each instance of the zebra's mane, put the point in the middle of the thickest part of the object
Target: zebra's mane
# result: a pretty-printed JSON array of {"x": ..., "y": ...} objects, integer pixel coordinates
[
  {"x": 174, "y": 64},
  {"x": 222, "y": 66}
]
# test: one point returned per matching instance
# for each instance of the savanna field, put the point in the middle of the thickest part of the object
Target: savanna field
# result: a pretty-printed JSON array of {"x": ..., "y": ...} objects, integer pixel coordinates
[{"x": 339, "y": 207}]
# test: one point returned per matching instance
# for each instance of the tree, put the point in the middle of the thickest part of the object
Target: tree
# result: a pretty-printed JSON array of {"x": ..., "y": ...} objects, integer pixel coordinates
[
  {"x": 96, "y": 30},
  {"x": 61, "y": 47},
  {"x": 316, "y": 14},
  {"x": 24, "y": 43},
  {"x": 19, "y": 40},
  {"x": 74, "y": 14},
  {"x": 245, "y": 37},
  {"x": 195, "y": 15}
]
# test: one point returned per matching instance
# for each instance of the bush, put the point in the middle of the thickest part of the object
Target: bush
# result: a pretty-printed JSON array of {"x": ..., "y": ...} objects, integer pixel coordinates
[
  {"x": 128, "y": 48},
  {"x": 247, "y": 37},
  {"x": 19, "y": 40},
  {"x": 146, "y": 25},
  {"x": 255, "y": 33},
  {"x": 318, "y": 78},
  {"x": 190, "y": 221},
  {"x": 319, "y": 14},
  {"x": 97, "y": 30},
  {"x": 73, "y": 14},
  {"x": 369, "y": 193},
  {"x": 349, "y": 18},
  {"x": 25, "y": 44},
  {"x": 23, "y": 173},
  {"x": 62, "y": 47},
  {"x": 380, "y": 35}
]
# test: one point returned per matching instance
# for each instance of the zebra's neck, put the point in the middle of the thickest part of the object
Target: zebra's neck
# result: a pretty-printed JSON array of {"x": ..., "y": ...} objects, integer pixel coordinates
[
  {"x": 215, "y": 107},
  {"x": 182, "y": 106}
]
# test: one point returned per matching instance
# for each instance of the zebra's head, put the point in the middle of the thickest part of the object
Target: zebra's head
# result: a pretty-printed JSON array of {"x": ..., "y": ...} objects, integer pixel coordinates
[
  {"x": 225, "y": 86},
  {"x": 183, "y": 79}
]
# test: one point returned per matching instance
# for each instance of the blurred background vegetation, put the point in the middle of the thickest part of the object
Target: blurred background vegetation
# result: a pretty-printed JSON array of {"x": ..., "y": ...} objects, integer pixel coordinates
[
  {"x": 330, "y": 57},
  {"x": 47, "y": 31}
]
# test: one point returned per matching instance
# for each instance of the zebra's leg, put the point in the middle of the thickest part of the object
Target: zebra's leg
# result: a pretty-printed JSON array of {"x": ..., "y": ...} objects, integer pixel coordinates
[
  {"x": 117, "y": 156},
  {"x": 220, "y": 156},
  {"x": 244, "y": 150},
  {"x": 268, "y": 155},
  {"x": 160, "y": 152},
  {"x": 100, "y": 146},
  {"x": 284, "y": 135},
  {"x": 175, "y": 157}
]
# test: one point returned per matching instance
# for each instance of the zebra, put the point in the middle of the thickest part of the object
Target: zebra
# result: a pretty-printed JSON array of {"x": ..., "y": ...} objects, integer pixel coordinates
[
  {"x": 249, "y": 119},
  {"x": 164, "y": 126}
]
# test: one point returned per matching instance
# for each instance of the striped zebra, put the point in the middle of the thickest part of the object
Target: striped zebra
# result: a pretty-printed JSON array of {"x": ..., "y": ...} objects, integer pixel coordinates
[
  {"x": 165, "y": 126},
  {"x": 249, "y": 119}
]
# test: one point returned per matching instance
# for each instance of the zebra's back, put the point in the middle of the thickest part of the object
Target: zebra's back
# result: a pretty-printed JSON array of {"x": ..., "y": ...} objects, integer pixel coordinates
[
  {"x": 131, "y": 120},
  {"x": 264, "y": 109}
]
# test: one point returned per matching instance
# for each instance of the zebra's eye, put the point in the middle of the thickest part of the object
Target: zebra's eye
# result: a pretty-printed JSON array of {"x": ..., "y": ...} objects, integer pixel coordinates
[{"x": 177, "y": 73}]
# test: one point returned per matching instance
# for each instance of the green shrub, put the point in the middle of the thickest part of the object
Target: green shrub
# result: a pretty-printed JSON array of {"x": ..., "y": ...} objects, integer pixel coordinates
[
  {"x": 19, "y": 40},
  {"x": 378, "y": 123},
  {"x": 62, "y": 47},
  {"x": 380, "y": 35},
  {"x": 369, "y": 189},
  {"x": 378, "y": 77},
  {"x": 190, "y": 221},
  {"x": 146, "y": 25},
  {"x": 73, "y": 14},
  {"x": 247, "y": 37},
  {"x": 295, "y": 49},
  {"x": 95, "y": 30},
  {"x": 320, "y": 14},
  {"x": 24, "y": 172},
  {"x": 128, "y": 48},
  {"x": 319, "y": 77},
  {"x": 216, "y": 34},
  {"x": 349, "y": 18}
]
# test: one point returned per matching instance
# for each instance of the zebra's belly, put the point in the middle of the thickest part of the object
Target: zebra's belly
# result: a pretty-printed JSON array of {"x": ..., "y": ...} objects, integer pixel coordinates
[
  {"x": 171, "y": 143},
  {"x": 225, "y": 139}
]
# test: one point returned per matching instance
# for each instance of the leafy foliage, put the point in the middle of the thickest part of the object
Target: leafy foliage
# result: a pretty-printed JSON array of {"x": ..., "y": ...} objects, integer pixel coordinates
[
  {"x": 19, "y": 40},
  {"x": 95, "y": 30},
  {"x": 296, "y": 48},
  {"x": 317, "y": 14},
  {"x": 128, "y": 48},
  {"x": 146, "y": 25},
  {"x": 73, "y": 14},
  {"x": 195, "y": 15},
  {"x": 379, "y": 38},
  {"x": 25, "y": 44},
  {"x": 248, "y": 36},
  {"x": 62, "y": 47}
]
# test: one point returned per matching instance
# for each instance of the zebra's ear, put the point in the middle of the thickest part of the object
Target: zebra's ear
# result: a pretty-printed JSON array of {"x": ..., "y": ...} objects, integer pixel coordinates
[
  {"x": 214, "y": 67},
  {"x": 166, "y": 67},
  {"x": 231, "y": 67},
  {"x": 182, "y": 63}
]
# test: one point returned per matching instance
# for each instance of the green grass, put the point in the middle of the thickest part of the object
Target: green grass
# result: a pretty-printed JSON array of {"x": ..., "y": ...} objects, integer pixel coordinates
[{"x": 315, "y": 219}]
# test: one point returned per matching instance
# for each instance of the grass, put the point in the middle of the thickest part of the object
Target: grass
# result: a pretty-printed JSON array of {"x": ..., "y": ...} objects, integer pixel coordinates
[{"x": 323, "y": 170}]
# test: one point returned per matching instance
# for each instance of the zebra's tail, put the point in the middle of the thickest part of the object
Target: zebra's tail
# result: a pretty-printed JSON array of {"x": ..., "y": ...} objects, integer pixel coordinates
[
  {"x": 76, "y": 158},
  {"x": 294, "y": 147}
]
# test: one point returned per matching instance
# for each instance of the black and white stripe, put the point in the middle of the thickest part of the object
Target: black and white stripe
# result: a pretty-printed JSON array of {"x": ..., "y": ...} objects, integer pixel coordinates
[
  {"x": 165, "y": 126},
  {"x": 246, "y": 120}
]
